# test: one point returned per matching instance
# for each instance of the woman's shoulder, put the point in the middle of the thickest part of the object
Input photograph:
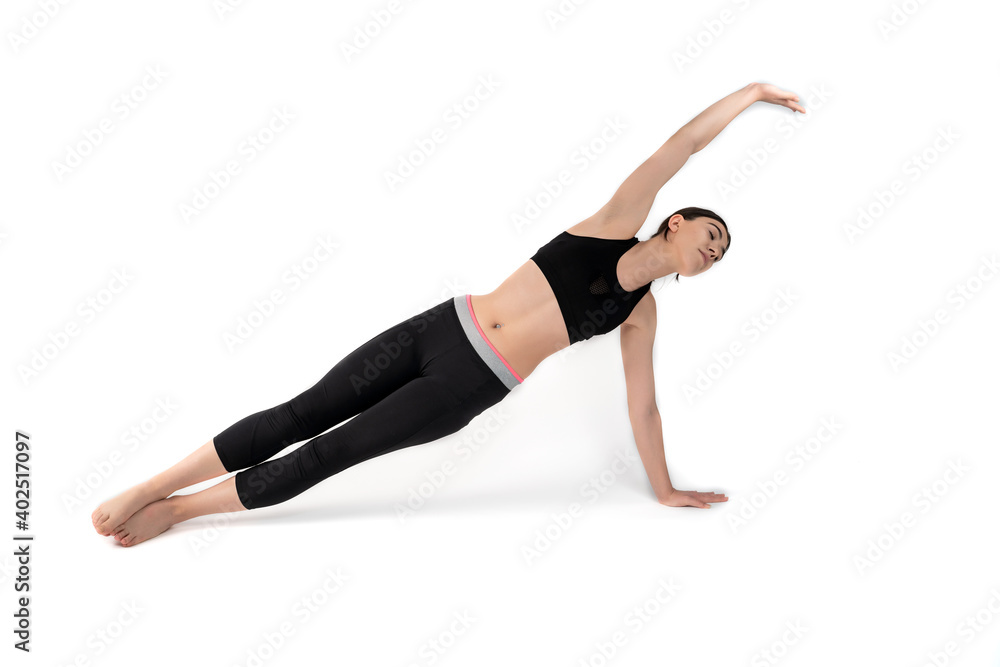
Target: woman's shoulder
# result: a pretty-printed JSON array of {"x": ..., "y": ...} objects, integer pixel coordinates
[{"x": 602, "y": 227}]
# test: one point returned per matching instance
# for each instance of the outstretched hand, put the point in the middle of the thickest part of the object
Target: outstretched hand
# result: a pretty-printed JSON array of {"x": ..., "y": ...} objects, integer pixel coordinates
[
  {"x": 771, "y": 94},
  {"x": 693, "y": 499}
]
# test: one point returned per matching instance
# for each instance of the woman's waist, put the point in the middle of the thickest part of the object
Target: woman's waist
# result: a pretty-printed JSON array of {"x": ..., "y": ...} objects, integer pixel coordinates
[{"x": 525, "y": 333}]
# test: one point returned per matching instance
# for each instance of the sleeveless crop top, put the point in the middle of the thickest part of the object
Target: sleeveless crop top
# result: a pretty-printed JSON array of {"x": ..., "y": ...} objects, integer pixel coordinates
[{"x": 583, "y": 273}]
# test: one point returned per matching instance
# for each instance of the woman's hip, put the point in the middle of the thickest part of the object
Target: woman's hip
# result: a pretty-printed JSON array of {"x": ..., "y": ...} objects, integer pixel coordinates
[{"x": 455, "y": 353}]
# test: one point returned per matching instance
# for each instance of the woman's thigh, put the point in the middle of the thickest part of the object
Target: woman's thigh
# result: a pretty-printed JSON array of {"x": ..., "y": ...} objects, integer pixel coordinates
[
  {"x": 453, "y": 391},
  {"x": 430, "y": 344},
  {"x": 362, "y": 378}
]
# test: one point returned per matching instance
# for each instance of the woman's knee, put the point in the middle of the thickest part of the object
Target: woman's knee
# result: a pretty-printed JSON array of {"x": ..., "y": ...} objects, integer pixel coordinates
[{"x": 307, "y": 415}]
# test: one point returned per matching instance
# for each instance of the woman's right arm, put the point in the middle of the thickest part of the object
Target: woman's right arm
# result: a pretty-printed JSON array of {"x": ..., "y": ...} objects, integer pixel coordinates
[{"x": 633, "y": 200}]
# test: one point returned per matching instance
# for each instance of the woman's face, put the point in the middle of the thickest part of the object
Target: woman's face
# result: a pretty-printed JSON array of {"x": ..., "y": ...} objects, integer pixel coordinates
[{"x": 699, "y": 243}]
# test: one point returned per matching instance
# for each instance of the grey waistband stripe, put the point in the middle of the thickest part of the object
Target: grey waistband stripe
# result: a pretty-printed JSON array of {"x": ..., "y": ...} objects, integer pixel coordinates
[{"x": 481, "y": 346}]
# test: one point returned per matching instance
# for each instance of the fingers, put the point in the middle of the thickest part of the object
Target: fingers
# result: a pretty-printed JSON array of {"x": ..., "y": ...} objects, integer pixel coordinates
[
  {"x": 793, "y": 103},
  {"x": 785, "y": 98},
  {"x": 699, "y": 499}
]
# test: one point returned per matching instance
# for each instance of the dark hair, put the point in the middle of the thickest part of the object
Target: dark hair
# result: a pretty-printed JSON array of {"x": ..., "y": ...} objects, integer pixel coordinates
[{"x": 690, "y": 213}]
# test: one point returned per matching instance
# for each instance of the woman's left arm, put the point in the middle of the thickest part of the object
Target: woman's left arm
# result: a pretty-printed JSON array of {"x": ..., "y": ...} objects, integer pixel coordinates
[
  {"x": 700, "y": 130},
  {"x": 631, "y": 203}
]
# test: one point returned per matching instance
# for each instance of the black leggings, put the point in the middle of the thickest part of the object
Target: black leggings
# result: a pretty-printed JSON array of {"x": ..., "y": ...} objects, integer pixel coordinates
[{"x": 417, "y": 381}]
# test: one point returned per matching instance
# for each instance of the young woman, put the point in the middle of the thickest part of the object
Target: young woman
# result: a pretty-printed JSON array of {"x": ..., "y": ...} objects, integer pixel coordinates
[{"x": 430, "y": 375}]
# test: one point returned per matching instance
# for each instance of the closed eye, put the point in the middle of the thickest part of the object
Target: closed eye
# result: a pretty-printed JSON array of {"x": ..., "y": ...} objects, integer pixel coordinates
[{"x": 711, "y": 232}]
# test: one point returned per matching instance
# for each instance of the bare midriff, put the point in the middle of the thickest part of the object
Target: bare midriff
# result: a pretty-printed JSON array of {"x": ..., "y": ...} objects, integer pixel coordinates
[{"x": 521, "y": 319}]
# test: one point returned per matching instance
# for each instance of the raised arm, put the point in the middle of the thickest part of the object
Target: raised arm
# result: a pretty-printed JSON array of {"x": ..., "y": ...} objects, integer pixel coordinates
[{"x": 633, "y": 200}]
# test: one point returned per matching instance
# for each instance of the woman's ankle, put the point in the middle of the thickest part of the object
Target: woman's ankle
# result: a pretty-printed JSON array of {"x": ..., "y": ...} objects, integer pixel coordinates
[
  {"x": 155, "y": 489},
  {"x": 178, "y": 508}
]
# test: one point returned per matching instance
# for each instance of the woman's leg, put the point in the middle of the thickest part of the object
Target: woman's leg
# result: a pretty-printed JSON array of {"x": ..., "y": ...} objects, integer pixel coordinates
[
  {"x": 367, "y": 375},
  {"x": 200, "y": 465},
  {"x": 456, "y": 385},
  {"x": 421, "y": 411},
  {"x": 157, "y": 516},
  {"x": 364, "y": 377}
]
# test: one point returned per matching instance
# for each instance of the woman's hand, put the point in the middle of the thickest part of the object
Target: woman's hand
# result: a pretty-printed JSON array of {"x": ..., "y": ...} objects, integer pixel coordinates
[
  {"x": 771, "y": 94},
  {"x": 701, "y": 499}
]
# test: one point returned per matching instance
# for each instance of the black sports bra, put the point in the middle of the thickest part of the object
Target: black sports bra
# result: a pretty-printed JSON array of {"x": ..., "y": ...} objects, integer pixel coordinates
[{"x": 583, "y": 273}]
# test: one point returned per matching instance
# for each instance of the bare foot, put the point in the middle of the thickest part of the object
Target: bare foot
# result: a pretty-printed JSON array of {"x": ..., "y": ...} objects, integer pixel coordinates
[
  {"x": 111, "y": 514},
  {"x": 147, "y": 523}
]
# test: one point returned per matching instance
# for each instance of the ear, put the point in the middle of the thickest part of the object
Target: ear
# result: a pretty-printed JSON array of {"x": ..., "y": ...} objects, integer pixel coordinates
[{"x": 674, "y": 222}]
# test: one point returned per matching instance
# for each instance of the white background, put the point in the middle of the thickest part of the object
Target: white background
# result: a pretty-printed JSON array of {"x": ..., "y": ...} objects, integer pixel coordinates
[{"x": 213, "y": 589}]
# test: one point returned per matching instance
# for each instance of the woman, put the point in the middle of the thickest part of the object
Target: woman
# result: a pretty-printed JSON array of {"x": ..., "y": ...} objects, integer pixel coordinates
[{"x": 430, "y": 375}]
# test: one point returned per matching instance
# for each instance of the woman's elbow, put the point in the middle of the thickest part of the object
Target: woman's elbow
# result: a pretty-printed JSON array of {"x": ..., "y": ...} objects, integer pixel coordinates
[{"x": 645, "y": 410}]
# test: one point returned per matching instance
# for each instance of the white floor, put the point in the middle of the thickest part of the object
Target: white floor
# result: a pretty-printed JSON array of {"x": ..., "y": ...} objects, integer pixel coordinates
[{"x": 835, "y": 375}]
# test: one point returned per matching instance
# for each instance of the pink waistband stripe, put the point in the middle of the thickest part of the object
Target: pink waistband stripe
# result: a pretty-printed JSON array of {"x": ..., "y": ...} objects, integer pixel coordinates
[{"x": 468, "y": 300}]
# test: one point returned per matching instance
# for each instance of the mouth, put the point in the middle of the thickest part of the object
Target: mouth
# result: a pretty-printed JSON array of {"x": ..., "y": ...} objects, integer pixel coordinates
[{"x": 704, "y": 258}]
